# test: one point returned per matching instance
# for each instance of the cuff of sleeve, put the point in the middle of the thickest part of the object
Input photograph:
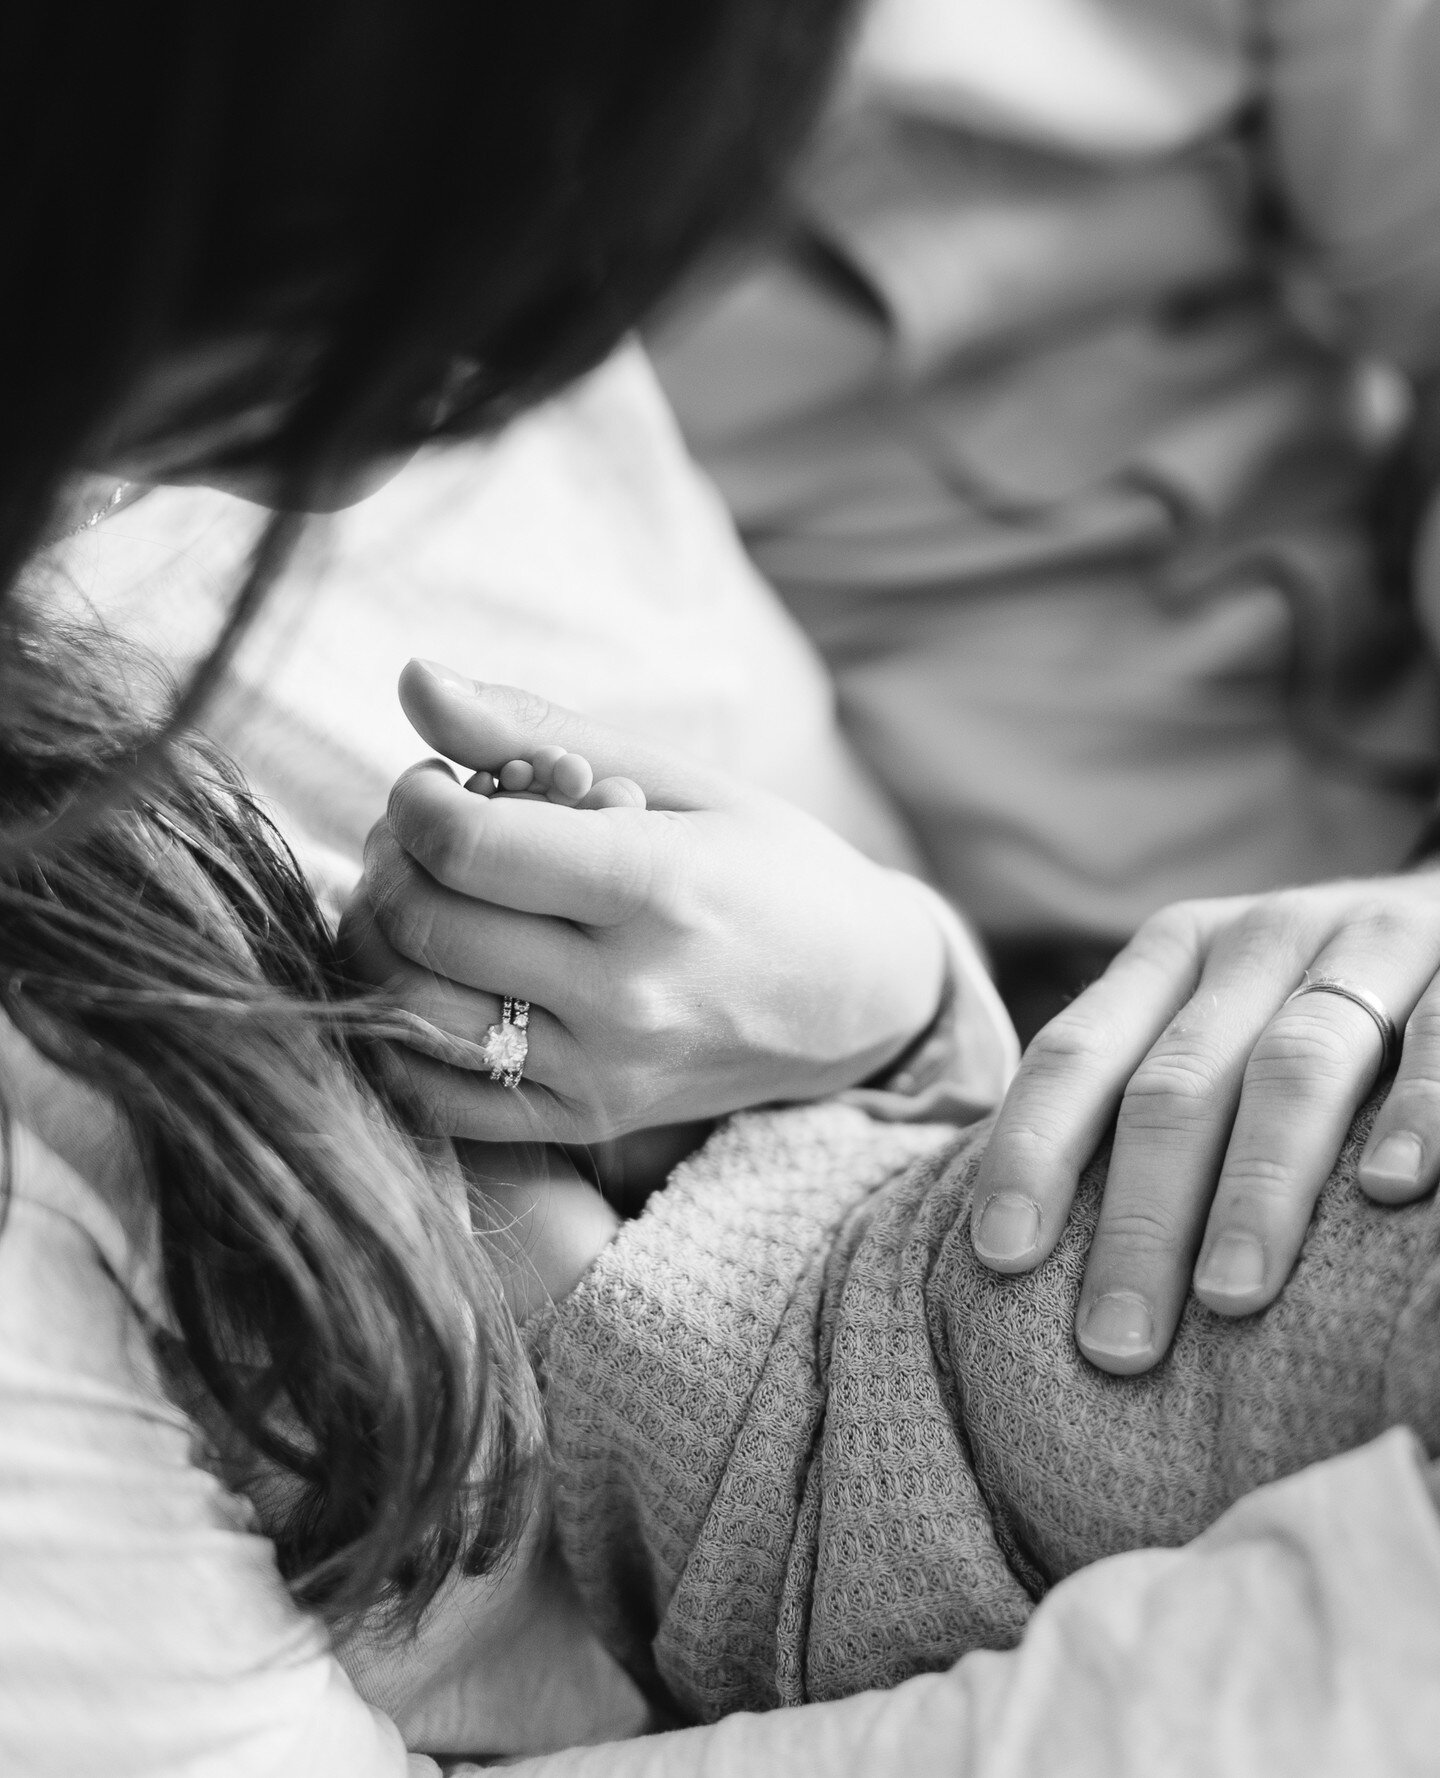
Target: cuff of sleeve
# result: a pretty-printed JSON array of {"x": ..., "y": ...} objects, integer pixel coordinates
[{"x": 958, "y": 1068}]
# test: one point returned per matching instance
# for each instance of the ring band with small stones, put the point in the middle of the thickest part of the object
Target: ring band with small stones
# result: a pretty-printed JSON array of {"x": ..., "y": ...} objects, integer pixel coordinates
[{"x": 507, "y": 1045}]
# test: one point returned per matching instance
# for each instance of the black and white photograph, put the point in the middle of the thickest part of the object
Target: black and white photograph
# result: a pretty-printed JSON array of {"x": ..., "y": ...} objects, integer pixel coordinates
[{"x": 720, "y": 889}]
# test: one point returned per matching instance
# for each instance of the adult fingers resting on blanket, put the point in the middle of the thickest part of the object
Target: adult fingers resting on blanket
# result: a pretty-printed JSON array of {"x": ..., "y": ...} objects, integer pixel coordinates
[
  {"x": 1234, "y": 1040},
  {"x": 725, "y": 951}
]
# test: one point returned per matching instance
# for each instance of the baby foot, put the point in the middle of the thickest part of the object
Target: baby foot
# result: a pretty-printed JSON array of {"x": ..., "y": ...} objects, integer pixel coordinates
[{"x": 552, "y": 774}]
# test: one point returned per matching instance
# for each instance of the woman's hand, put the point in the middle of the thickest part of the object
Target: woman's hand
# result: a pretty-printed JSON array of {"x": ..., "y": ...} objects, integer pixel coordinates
[
  {"x": 715, "y": 950},
  {"x": 1233, "y": 1099}
]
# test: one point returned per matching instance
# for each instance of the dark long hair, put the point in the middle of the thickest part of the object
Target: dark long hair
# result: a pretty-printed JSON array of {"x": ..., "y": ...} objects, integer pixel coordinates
[{"x": 399, "y": 218}]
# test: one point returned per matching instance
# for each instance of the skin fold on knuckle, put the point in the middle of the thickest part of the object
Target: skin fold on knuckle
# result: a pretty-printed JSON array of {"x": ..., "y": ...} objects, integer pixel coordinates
[
  {"x": 404, "y": 912},
  {"x": 1312, "y": 1054},
  {"x": 1025, "y": 1154},
  {"x": 1134, "y": 1239},
  {"x": 642, "y": 1007},
  {"x": 1173, "y": 1088},
  {"x": 1394, "y": 928},
  {"x": 1075, "y": 1042},
  {"x": 367, "y": 954},
  {"x": 435, "y": 823},
  {"x": 447, "y": 843},
  {"x": 1259, "y": 1193}
]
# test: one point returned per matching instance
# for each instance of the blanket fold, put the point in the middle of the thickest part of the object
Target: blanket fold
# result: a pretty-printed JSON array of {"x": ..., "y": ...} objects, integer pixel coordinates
[{"x": 806, "y": 1444}]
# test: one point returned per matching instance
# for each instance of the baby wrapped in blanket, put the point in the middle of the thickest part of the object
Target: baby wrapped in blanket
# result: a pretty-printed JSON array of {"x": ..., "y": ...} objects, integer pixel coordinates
[{"x": 806, "y": 1443}]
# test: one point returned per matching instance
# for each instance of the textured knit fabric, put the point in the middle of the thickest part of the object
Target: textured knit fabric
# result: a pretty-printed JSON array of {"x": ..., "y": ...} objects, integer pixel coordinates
[
  {"x": 1298, "y": 1638},
  {"x": 806, "y": 1444}
]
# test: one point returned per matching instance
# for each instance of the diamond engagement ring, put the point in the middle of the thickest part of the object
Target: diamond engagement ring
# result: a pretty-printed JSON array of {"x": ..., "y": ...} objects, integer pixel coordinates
[
  {"x": 507, "y": 1044},
  {"x": 1366, "y": 1001}
]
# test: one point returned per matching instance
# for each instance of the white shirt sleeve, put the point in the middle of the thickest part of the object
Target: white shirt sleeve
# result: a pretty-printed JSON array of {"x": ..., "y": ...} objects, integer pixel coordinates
[
  {"x": 1300, "y": 1635},
  {"x": 969, "y": 1056},
  {"x": 144, "y": 1629}
]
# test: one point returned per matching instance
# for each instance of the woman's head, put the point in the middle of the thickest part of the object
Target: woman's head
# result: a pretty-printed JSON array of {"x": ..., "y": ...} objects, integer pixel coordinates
[
  {"x": 289, "y": 235},
  {"x": 280, "y": 239}
]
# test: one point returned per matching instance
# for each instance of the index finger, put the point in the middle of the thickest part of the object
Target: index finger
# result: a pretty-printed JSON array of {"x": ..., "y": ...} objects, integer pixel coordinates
[
  {"x": 596, "y": 867},
  {"x": 1069, "y": 1088},
  {"x": 483, "y": 726}
]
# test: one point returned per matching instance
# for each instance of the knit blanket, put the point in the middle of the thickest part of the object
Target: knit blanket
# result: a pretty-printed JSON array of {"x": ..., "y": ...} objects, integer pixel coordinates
[{"x": 806, "y": 1444}]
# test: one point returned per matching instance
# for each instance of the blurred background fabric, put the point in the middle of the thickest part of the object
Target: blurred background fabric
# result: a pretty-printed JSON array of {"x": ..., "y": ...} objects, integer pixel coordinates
[{"x": 1054, "y": 402}]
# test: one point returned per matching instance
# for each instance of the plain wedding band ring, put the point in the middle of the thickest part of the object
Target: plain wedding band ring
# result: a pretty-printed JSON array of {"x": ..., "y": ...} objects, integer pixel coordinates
[{"x": 1368, "y": 1002}]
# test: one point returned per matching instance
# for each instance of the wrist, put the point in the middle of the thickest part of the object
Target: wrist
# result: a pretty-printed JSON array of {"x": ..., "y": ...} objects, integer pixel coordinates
[{"x": 960, "y": 1063}]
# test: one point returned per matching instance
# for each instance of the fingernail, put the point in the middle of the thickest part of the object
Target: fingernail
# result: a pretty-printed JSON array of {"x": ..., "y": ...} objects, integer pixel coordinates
[
  {"x": 1234, "y": 1266},
  {"x": 1119, "y": 1325},
  {"x": 1009, "y": 1227},
  {"x": 446, "y": 675},
  {"x": 1396, "y": 1162}
]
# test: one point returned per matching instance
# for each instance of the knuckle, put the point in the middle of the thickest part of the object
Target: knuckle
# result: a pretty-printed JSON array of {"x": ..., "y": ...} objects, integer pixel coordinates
[
  {"x": 444, "y": 843},
  {"x": 644, "y": 1010},
  {"x": 441, "y": 836},
  {"x": 411, "y": 929},
  {"x": 1072, "y": 1036},
  {"x": 1173, "y": 1084},
  {"x": 403, "y": 911},
  {"x": 1282, "y": 920},
  {"x": 1025, "y": 1141},
  {"x": 1145, "y": 1228},
  {"x": 383, "y": 855},
  {"x": 1252, "y": 939},
  {"x": 1302, "y": 1048},
  {"x": 1385, "y": 924},
  {"x": 1257, "y": 1185}
]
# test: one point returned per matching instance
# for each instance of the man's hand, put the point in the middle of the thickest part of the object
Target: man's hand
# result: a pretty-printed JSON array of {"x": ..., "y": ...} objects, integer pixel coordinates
[{"x": 1233, "y": 1102}]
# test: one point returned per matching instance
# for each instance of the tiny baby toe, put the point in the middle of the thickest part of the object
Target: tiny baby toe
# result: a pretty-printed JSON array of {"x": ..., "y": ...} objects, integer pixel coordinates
[
  {"x": 572, "y": 777},
  {"x": 544, "y": 761},
  {"x": 516, "y": 774},
  {"x": 615, "y": 793},
  {"x": 482, "y": 783}
]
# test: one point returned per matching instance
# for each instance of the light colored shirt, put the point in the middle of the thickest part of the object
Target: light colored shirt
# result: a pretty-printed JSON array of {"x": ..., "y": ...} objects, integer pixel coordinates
[
  {"x": 145, "y": 1632},
  {"x": 1044, "y": 408}
]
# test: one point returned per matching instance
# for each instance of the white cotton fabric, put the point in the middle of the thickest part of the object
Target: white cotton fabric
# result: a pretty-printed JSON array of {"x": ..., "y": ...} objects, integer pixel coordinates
[
  {"x": 144, "y": 1632},
  {"x": 1299, "y": 1637},
  {"x": 143, "y": 1627},
  {"x": 578, "y": 555}
]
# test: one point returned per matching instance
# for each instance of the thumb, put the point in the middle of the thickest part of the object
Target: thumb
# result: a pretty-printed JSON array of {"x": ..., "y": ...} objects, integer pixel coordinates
[{"x": 482, "y": 726}]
